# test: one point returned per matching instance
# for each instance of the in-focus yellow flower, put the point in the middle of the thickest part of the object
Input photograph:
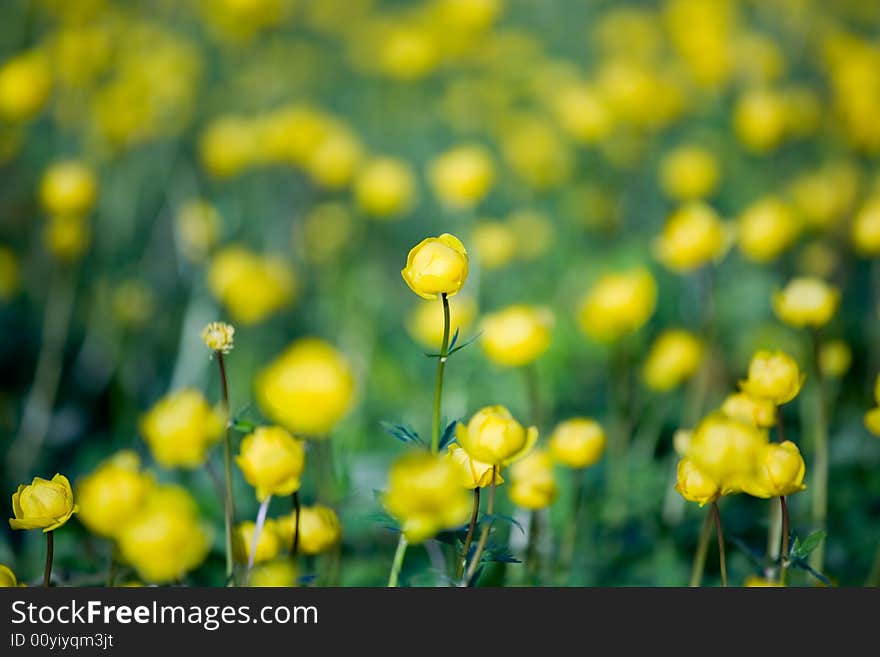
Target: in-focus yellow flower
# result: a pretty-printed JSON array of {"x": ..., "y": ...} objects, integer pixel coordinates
[
  {"x": 759, "y": 119},
  {"x": 766, "y": 229},
  {"x": 532, "y": 481},
  {"x": 693, "y": 236},
  {"x": 774, "y": 376},
  {"x": 578, "y": 442},
  {"x": 495, "y": 244},
  {"x": 9, "y": 273},
  {"x": 278, "y": 573},
  {"x": 252, "y": 286},
  {"x": 180, "y": 429},
  {"x": 319, "y": 529},
  {"x": 754, "y": 410},
  {"x": 385, "y": 187},
  {"x": 674, "y": 357},
  {"x": 780, "y": 471},
  {"x": 618, "y": 304},
  {"x": 475, "y": 474},
  {"x": 694, "y": 485},
  {"x": 7, "y": 577},
  {"x": 425, "y": 495},
  {"x": 67, "y": 236},
  {"x": 43, "y": 504},
  {"x": 806, "y": 302},
  {"x": 113, "y": 493},
  {"x": 462, "y": 176},
  {"x": 516, "y": 335},
  {"x": 308, "y": 388},
  {"x": 865, "y": 230},
  {"x": 25, "y": 85},
  {"x": 754, "y": 581},
  {"x": 436, "y": 265},
  {"x": 268, "y": 543},
  {"x": 68, "y": 187},
  {"x": 272, "y": 461},
  {"x": 198, "y": 227},
  {"x": 835, "y": 358},
  {"x": 689, "y": 173},
  {"x": 727, "y": 451},
  {"x": 425, "y": 322},
  {"x": 493, "y": 436},
  {"x": 218, "y": 336}
]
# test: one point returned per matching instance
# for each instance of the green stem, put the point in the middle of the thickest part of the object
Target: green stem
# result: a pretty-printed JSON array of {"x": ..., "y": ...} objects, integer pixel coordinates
[
  {"x": 229, "y": 505},
  {"x": 50, "y": 554},
  {"x": 783, "y": 553},
  {"x": 533, "y": 558},
  {"x": 702, "y": 548},
  {"x": 716, "y": 515},
  {"x": 569, "y": 539},
  {"x": 820, "y": 463},
  {"x": 111, "y": 569},
  {"x": 398, "y": 561},
  {"x": 438, "y": 386},
  {"x": 484, "y": 534},
  {"x": 294, "y": 546},
  {"x": 255, "y": 540},
  {"x": 470, "y": 535}
]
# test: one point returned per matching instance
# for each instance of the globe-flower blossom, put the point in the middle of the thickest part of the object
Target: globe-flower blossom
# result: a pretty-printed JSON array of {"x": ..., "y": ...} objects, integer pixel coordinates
[
  {"x": 385, "y": 188},
  {"x": 727, "y": 451},
  {"x": 252, "y": 286},
  {"x": 780, "y": 471},
  {"x": 68, "y": 187},
  {"x": 516, "y": 335},
  {"x": 865, "y": 229},
  {"x": 532, "y": 481},
  {"x": 180, "y": 429},
  {"x": 495, "y": 244},
  {"x": 766, "y": 228},
  {"x": 45, "y": 504},
  {"x": 113, "y": 493},
  {"x": 774, "y": 376},
  {"x": 577, "y": 442},
  {"x": 268, "y": 543},
  {"x": 807, "y": 302},
  {"x": 835, "y": 358},
  {"x": 693, "y": 236},
  {"x": 272, "y": 461},
  {"x": 462, "y": 176},
  {"x": 218, "y": 336},
  {"x": 25, "y": 85},
  {"x": 7, "y": 577},
  {"x": 754, "y": 410},
  {"x": 281, "y": 572},
  {"x": 319, "y": 529},
  {"x": 436, "y": 265},
  {"x": 618, "y": 304},
  {"x": 493, "y": 436},
  {"x": 689, "y": 173},
  {"x": 475, "y": 474},
  {"x": 694, "y": 485},
  {"x": 674, "y": 357},
  {"x": 425, "y": 322}
]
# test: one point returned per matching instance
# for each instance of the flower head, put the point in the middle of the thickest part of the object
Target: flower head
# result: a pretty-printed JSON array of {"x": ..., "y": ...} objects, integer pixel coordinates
[
  {"x": 385, "y": 188},
  {"x": 757, "y": 411},
  {"x": 674, "y": 357},
  {"x": 475, "y": 474},
  {"x": 689, "y": 173},
  {"x": 517, "y": 335},
  {"x": 692, "y": 237},
  {"x": 68, "y": 187},
  {"x": 532, "y": 481},
  {"x": 272, "y": 461},
  {"x": 578, "y": 442},
  {"x": 806, "y": 302},
  {"x": 180, "y": 429},
  {"x": 319, "y": 529},
  {"x": 43, "y": 504},
  {"x": 7, "y": 577},
  {"x": 694, "y": 485},
  {"x": 279, "y": 572},
  {"x": 766, "y": 229},
  {"x": 493, "y": 436},
  {"x": 252, "y": 286},
  {"x": 618, "y": 304},
  {"x": 436, "y": 265},
  {"x": 727, "y": 451},
  {"x": 774, "y": 376},
  {"x": 218, "y": 336},
  {"x": 780, "y": 471},
  {"x": 268, "y": 543},
  {"x": 462, "y": 176},
  {"x": 113, "y": 493}
]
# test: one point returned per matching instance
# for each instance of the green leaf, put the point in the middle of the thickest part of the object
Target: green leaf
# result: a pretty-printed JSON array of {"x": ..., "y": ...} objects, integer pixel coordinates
[
  {"x": 454, "y": 340},
  {"x": 802, "y": 550},
  {"x": 244, "y": 426},
  {"x": 403, "y": 433},
  {"x": 509, "y": 519},
  {"x": 464, "y": 344},
  {"x": 498, "y": 554},
  {"x": 448, "y": 435}
]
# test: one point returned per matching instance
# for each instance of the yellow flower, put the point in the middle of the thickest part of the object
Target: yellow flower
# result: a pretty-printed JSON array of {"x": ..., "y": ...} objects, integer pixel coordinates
[
  {"x": 759, "y": 119},
  {"x": 689, "y": 173},
  {"x": 727, "y": 451},
  {"x": 268, "y": 544},
  {"x": 753, "y": 581},
  {"x": 385, "y": 187},
  {"x": 9, "y": 274},
  {"x": 425, "y": 495},
  {"x": 493, "y": 436},
  {"x": 43, "y": 504},
  {"x": 475, "y": 474},
  {"x": 335, "y": 159},
  {"x": 308, "y": 388},
  {"x": 25, "y": 85},
  {"x": 780, "y": 471},
  {"x": 582, "y": 112},
  {"x": 272, "y": 461},
  {"x": 113, "y": 493},
  {"x": 694, "y": 485},
  {"x": 436, "y": 265},
  {"x": 319, "y": 529},
  {"x": 674, "y": 357},
  {"x": 462, "y": 176},
  {"x": 425, "y": 322},
  {"x": 578, "y": 442},
  {"x": 495, "y": 244},
  {"x": 67, "y": 236},
  {"x": 197, "y": 227},
  {"x": 516, "y": 335},
  {"x": 277, "y": 573},
  {"x": 407, "y": 51},
  {"x": 754, "y": 410},
  {"x": 618, "y": 304},
  {"x": 806, "y": 302},
  {"x": 835, "y": 358},
  {"x": 872, "y": 421},
  {"x": 532, "y": 483},
  {"x": 228, "y": 145},
  {"x": 180, "y": 429},
  {"x": 865, "y": 230},
  {"x": 774, "y": 376},
  {"x": 681, "y": 441},
  {"x": 7, "y": 577},
  {"x": 218, "y": 336},
  {"x": 767, "y": 228},
  {"x": 693, "y": 236},
  {"x": 165, "y": 539},
  {"x": 68, "y": 187},
  {"x": 252, "y": 286}
]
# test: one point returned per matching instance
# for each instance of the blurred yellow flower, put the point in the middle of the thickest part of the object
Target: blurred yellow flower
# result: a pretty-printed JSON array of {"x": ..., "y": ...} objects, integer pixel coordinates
[
  {"x": 753, "y": 410},
  {"x": 67, "y": 236},
  {"x": 198, "y": 226},
  {"x": 494, "y": 242},
  {"x": 475, "y": 474},
  {"x": 425, "y": 495},
  {"x": 704, "y": 34},
  {"x": 766, "y": 228},
  {"x": 43, "y": 504},
  {"x": 693, "y": 236},
  {"x": 462, "y": 176},
  {"x": 319, "y": 529},
  {"x": 9, "y": 273},
  {"x": 7, "y": 577},
  {"x": 218, "y": 336},
  {"x": 577, "y": 442},
  {"x": 435, "y": 266},
  {"x": 272, "y": 461},
  {"x": 308, "y": 388},
  {"x": 694, "y": 485},
  {"x": 865, "y": 230},
  {"x": 113, "y": 493},
  {"x": 425, "y": 322},
  {"x": 681, "y": 441},
  {"x": 292, "y": 133},
  {"x": 516, "y": 335},
  {"x": 532, "y": 481},
  {"x": 835, "y": 358},
  {"x": 727, "y": 451},
  {"x": 493, "y": 436},
  {"x": 407, "y": 51},
  {"x": 582, "y": 112},
  {"x": 535, "y": 152},
  {"x": 674, "y": 357},
  {"x": 335, "y": 159},
  {"x": 774, "y": 376},
  {"x": 252, "y": 286},
  {"x": 825, "y": 196},
  {"x": 385, "y": 187},
  {"x": 754, "y": 581},
  {"x": 618, "y": 304},
  {"x": 759, "y": 119},
  {"x": 25, "y": 85},
  {"x": 281, "y": 572},
  {"x": 228, "y": 145},
  {"x": 806, "y": 302},
  {"x": 689, "y": 173},
  {"x": 180, "y": 429},
  {"x": 68, "y": 187},
  {"x": 872, "y": 421},
  {"x": 780, "y": 471},
  {"x": 268, "y": 543}
]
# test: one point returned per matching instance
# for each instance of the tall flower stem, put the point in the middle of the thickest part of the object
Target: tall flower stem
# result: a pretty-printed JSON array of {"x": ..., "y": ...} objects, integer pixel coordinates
[
  {"x": 470, "y": 535},
  {"x": 783, "y": 553},
  {"x": 716, "y": 515},
  {"x": 820, "y": 459},
  {"x": 484, "y": 534},
  {"x": 50, "y": 554},
  {"x": 533, "y": 557},
  {"x": 775, "y": 532},
  {"x": 569, "y": 538},
  {"x": 533, "y": 389},
  {"x": 702, "y": 548},
  {"x": 398, "y": 561},
  {"x": 258, "y": 530},
  {"x": 294, "y": 546},
  {"x": 229, "y": 508},
  {"x": 438, "y": 386}
]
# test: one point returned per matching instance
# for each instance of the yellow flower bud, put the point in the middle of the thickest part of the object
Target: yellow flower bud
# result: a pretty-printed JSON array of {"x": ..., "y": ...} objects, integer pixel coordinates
[
  {"x": 872, "y": 421},
  {"x": 425, "y": 495},
  {"x": 425, "y": 322},
  {"x": 516, "y": 335},
  {"x": 618, "y": 304},
  {"x": 493, "y": 436},
  {"x": 532, "y": 481},
  {"x": 7, "y": 577},
  {"x": 753, "y": 581},
  {"x": 68, "y": 187},
  {"x": 385, "y": 187},
  {"x": 694, "y": 485},
  {"x": 774, "y": 376},
  {"x": 681, "y": 441},
  {"x": 759, "y": 119},
  {"x": 727, "y": 450},
  {"x": 578, "y": 442},
  {"x": 198, "y": 227},
  {"x": 272, "y": 461},
  {"x": 475, "y": 474},
  {"x": 462, "y": 176},
  {"x": 754, "y": 410},
  {"x": 674, "y": 357},
  {"x": 113, "y": 493},
  {"x": 835, "y": 358},
  {"x": 278, "y": 573},
  {"x": 582, "y": 113},
  {"x": 436, "y": 265},
  {"x": 308, "y": 388},
  {"x": 766, "y": 229},
  {"x": 268, "y": 543},
  {"x": 780, "y": 471},
  {"x": 43, "y": 504},
  {"x": 319, "y": 529},
  {"x": 180, "y": 429},
  {"x": 9, "y": 274},
  {"x": 689, "y": 173},
  {"x": 865, "y": 230},
  {"x": 67, "y": 236},
  {"x": 693, "y": 236},
  {"x": 806, "y": 302},
  {"x": 25, "y": 85},
  {"x": 252, "y": 286},
  {"x": 495, "y": 244},
  {"x": 218, "y": 336}
]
